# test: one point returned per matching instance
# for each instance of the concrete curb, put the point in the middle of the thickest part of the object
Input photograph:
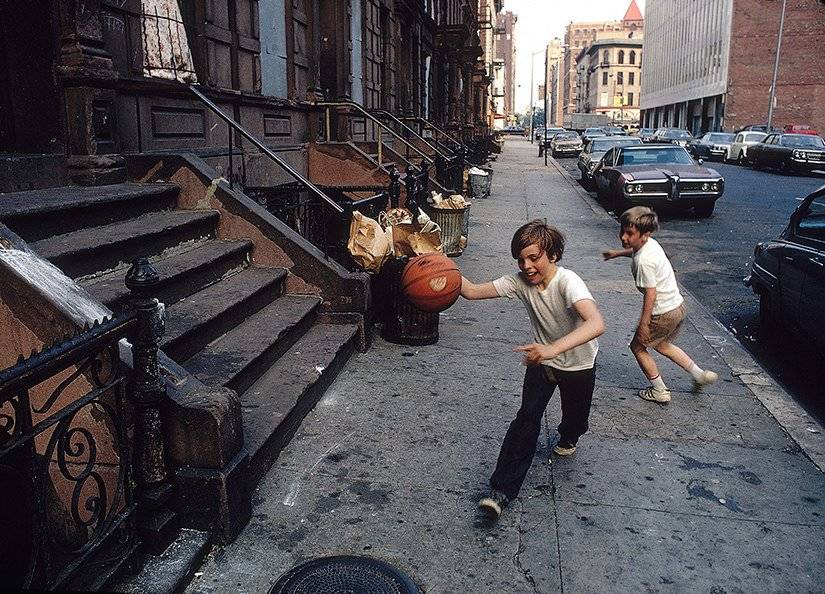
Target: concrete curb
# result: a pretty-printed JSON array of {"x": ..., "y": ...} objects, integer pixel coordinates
[{"x": 803, "y": 429}]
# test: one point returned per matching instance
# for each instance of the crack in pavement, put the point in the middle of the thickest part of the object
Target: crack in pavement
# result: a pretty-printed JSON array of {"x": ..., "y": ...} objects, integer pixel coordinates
[{"x": 517, "y": 557}]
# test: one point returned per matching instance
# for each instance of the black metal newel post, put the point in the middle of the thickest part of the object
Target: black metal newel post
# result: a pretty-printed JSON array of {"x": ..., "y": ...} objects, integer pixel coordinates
[
  {"x": 411, "y": 184},
  {"x": 395, "y": 187},
  {"x": 147, "y": 389}
]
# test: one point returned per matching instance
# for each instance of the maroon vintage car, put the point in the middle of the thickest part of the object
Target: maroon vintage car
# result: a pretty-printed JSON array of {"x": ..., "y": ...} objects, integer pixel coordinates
[{"x": 656, "y": 175}]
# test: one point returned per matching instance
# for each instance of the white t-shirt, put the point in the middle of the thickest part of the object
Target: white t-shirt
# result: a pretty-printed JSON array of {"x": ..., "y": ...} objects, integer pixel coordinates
[
  {"x": 552, "y": 314},
  {"x": 651, "y": 268}
]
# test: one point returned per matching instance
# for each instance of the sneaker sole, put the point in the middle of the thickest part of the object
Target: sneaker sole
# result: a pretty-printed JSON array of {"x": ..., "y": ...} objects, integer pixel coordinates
[
  {"x": 490, "y": 507},
  {"x": 564, "y": 452}
]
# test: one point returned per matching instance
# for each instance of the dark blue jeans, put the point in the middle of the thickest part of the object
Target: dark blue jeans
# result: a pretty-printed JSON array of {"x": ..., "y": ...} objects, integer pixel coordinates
[{"x": 519, "y": 447}]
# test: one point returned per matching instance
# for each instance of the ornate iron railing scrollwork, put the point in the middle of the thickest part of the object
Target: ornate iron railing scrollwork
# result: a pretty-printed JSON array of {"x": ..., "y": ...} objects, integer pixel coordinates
[{"x": 65, "y": 447}]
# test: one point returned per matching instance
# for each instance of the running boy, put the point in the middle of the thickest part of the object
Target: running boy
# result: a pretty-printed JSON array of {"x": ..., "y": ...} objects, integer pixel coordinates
[
  {"x": 663, "y": 308},
  {"x": 565, "y": 323}
]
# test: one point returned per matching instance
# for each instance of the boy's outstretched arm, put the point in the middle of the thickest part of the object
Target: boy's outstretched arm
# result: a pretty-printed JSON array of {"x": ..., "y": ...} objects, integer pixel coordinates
[
  {"x": 470, "y": 290},
  {"x": 610, "y": 254},
  {"x": 592, "y": 327}
]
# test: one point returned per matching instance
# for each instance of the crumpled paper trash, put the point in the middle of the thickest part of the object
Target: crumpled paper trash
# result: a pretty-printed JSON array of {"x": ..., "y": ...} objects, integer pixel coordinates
[
  {"x": 477, "y": 171},
  {"x": 368, "y": 243}
]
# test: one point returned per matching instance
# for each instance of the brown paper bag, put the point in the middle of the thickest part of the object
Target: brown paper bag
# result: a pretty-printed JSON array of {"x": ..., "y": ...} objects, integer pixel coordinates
[
  {"x": 367, "y": 243},
  {"x": 412, "y": 239}
]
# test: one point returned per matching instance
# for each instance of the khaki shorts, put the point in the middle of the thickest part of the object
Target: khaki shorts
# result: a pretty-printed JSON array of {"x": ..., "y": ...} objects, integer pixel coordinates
[{"x": 665, "y": 327}]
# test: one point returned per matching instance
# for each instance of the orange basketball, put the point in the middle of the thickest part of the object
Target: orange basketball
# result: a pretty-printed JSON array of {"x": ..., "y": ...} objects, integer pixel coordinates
[{"x": 432, "y": 282}]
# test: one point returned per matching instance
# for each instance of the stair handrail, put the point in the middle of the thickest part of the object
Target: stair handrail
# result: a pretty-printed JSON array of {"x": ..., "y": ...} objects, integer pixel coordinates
[
  {"x": 358, "y": 107},
  {"x": 435, "y": 127},
  {"x": 265, "y": 150},
  {"x": 393, "y": 117}
]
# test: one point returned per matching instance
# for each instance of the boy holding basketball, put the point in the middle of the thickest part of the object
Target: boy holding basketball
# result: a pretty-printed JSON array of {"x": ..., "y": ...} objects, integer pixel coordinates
[
  {"x": 565, "y": 323},
  {"x": 663, "y": 308}
]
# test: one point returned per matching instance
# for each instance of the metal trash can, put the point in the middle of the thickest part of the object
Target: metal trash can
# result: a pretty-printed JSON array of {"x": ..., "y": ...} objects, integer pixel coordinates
[
  {"x": 401, "y": 321},
  {"x": 452, "y": 223},
  {"x": 478, "y": 185}
]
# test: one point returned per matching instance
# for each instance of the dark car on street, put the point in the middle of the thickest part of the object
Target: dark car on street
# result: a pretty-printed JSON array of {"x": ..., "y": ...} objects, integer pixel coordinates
[
  {"x": 788, "y": 274},
  {"x": 565, "y": 143},
  {"x": 672, "y": 136},
  {"x": 788, "y": 153},
  {"x": 656, "y": 175},
  {"x": 590, "y": 133},
  {"x": 646, "y": 134},
  {"x": 712, "y": 145},
  {"x": 614, "y": 130},
  {"x": 593, "y": 151}
]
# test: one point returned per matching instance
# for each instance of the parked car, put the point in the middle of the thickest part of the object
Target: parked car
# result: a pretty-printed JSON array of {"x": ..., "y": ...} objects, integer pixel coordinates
[
  {"x": 595, "y": 149},
  {"x": 614, "y": 131},
  {"x": 738, "y": 150},
  {"x": 789, "y": 152},
  {"x": 788, "y": 274},
  {"x": 566, "y": 143},
  {"x": 758, "y": 128},
  {"x": 800, "y": 129},
  {"x": 513, "y": 130},
  {"x": 672, "y": 136},
  {"x": 548, "y": 135},
  {"x": 592, "y": 133},
  {"x": 712, "y": 145},
  {"x": 646, "y": 134},
  {"x": 656, "y": 175}
]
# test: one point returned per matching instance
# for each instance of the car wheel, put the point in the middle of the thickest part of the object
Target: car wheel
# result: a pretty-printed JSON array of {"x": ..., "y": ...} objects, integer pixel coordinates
[
  {"x": 767, "y": 321},
  {"x": 616, "y": 203},
  {"x": 704, "y": 210}
]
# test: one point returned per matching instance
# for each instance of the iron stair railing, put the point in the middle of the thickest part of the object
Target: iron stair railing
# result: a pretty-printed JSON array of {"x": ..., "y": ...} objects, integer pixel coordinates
[{"x": 329, "y": 105}]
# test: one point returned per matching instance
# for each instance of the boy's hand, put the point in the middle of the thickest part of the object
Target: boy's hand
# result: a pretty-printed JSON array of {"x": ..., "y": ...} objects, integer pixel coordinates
[
  {"x": 609, "y": 254},
  {"x": 535, "y": 353}
]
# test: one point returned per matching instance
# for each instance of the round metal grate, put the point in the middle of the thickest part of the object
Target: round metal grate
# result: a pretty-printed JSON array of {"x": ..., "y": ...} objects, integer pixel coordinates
[{"x": 344, "y": 574}]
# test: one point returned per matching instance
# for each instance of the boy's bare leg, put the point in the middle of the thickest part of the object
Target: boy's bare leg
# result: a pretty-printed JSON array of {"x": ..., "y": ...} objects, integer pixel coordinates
[
  {"x": 644, "y": 359},
  {"x": 675, "y": 354},
  {"x": 683, "y": 360}
]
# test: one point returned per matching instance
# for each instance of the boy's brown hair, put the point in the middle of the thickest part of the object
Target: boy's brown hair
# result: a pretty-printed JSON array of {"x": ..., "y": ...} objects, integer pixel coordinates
[
  {"x": 548, "y": 238},
  {"x": 641, "y": 217}
]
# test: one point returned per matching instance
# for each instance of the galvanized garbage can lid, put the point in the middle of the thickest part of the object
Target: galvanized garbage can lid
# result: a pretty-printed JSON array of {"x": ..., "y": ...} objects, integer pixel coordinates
[{"x": 344, "y": 574}]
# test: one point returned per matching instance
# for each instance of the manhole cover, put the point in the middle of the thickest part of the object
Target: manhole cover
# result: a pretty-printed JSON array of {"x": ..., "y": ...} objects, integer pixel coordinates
[{"x": 344, "y": 574}]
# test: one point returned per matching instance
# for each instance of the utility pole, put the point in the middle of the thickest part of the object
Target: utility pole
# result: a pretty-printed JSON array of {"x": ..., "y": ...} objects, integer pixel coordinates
[
  {"x": 546, "y": 148},
  {"x": 776, "y": 66},
  {"x": 532, "y": 108}
]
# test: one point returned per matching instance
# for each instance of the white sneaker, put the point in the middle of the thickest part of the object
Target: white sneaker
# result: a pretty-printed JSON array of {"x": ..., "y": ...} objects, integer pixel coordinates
[
  {"x": 655, "y": 395},
  {"x": 706, "y": 379}
]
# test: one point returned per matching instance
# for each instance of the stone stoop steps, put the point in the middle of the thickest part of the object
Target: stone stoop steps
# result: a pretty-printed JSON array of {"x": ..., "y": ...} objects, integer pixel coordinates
[{"x": 229, "y": 323}]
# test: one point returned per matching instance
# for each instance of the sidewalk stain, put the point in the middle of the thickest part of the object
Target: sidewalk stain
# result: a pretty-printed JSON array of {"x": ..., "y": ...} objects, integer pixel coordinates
[{"x": 695, "y": 489}]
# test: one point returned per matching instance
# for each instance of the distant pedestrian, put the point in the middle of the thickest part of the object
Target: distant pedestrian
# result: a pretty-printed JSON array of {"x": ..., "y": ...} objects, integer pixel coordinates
[
  {"x": 565, "y": 323},
  {"x": 663, "y": 308}
]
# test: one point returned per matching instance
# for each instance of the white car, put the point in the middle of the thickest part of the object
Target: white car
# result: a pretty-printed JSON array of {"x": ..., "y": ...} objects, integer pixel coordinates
[{"x": 738, "y": 150}]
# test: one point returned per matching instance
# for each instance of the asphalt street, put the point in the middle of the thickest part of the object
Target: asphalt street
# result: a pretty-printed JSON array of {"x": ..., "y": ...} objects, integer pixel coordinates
[
  {"x": 712, "y": 256},
  {"x": 719, "y": 491}
]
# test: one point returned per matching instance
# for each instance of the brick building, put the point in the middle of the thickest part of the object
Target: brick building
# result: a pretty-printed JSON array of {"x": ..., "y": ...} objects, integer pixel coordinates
[
  {"x": 506, "y": 58},
  {"x": 721, "y": 78},
  {"x": 579, "y": 35},
  {"x": 609, "y": 79}
]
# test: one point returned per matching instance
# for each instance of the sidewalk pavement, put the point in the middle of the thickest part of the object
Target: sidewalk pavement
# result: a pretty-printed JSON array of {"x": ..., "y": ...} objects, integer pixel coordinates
[{"x": 711, "y": 493}]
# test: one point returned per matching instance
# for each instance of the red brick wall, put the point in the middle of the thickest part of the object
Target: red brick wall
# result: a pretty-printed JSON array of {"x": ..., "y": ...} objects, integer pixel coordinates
[{"x": 800, "y": 96}]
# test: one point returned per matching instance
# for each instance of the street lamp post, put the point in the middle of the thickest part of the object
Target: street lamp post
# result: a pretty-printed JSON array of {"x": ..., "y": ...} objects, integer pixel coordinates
[
  {"x": 546, "y": 51},
  {"x": 532, "y": 108},
  {"x": 776, "y": 66}
]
